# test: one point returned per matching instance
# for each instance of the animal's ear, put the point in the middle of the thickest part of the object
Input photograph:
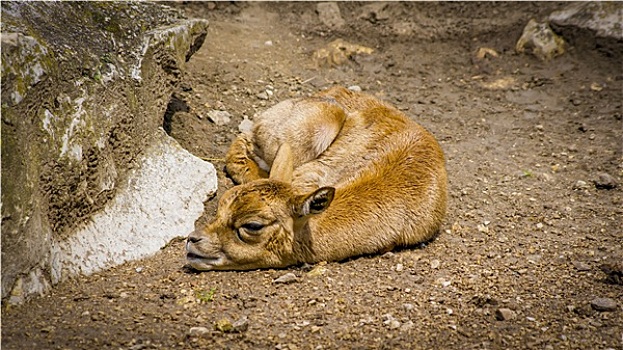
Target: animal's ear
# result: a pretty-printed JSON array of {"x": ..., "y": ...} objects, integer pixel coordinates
[
  {"x": 283, "y": 165},
  {"x": 316, "y": 202}
]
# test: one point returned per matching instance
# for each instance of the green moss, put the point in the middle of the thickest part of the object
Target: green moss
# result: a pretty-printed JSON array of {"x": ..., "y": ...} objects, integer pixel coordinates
[{"x": 205, "y": 296}]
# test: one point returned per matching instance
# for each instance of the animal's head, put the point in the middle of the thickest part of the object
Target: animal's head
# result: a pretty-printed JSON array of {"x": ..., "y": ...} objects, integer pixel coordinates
[{"x": 255, "y": 223}]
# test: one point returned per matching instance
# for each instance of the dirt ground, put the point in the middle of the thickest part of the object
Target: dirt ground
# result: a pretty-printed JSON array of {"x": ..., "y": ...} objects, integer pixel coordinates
[{"x": 528, "y": 254}]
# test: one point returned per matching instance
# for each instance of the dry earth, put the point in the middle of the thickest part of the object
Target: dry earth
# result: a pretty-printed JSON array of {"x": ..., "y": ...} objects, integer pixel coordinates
[{"x": 533, "y": 236}]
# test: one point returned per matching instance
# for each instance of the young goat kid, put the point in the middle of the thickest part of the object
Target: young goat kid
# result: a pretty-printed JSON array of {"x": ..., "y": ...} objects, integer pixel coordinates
[{"x": 324, "y": 178}]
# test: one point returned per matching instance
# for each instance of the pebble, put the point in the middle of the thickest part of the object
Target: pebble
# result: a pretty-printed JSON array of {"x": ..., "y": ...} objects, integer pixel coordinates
[
  {"x": 580, "y": 185},
  {"x": 605, "y": 181},
  {"x": 329, "y": 14},
  {"x": 435, "y": 264},
  {"x": 355, "y": 88},
  {"x": 407, "y": 326},
  {"x": 604, "y": 304},
  {"x": 219, "y": 117},
  {"x": 198, "y": 331},
  {"x": 318, "y": 270},
  {"x": 399, "y": 267},
  {"x": 241, "y": 325},
  {"x": 394, "y": 324},
  {"x": 581, "y": 266},
  {"x": 408, "y": 306},
  {"x": 504, "y": 314},
  {"x": 262, "y": 95},
  {"x": 375, "y": 12},
  {"x": 224, "y": 325},
  {"x": 286, "y": 279}
]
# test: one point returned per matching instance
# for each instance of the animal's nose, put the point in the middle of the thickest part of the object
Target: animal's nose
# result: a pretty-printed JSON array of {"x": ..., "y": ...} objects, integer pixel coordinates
[{"x": 194, "y": 237}]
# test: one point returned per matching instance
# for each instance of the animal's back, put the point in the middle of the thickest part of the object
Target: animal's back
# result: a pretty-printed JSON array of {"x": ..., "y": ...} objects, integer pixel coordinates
[{"x": 389, "y": 175}]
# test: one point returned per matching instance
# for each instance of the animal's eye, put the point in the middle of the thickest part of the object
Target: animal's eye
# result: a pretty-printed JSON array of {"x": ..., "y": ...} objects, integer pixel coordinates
[
  {"x": 252, "y": 227},
  {"x": 250, "y": 231}
]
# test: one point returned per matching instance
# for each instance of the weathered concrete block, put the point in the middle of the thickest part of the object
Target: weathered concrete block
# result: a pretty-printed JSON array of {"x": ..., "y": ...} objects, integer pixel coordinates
[{"x": 84, "y": 89}]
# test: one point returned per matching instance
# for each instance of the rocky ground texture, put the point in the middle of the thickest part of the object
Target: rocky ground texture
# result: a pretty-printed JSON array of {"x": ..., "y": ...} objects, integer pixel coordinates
[{"x": 530, "y": 253}]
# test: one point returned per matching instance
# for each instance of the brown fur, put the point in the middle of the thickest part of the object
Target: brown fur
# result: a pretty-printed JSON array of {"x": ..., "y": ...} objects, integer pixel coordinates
[{"x": 349, "y": 175}]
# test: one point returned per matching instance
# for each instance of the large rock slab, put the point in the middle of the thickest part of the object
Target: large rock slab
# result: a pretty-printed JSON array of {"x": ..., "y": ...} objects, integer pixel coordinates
[
  {"x": 592, "y": 25},
  {"x": 603, "y": 18},
  {"x": 85, "y": 86},
  {"x": 160, "y": 201}
]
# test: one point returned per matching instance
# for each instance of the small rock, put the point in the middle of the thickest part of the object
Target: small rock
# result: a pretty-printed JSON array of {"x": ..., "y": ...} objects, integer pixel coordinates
[
  {"x": 485, "y": 52},
  {"x": 198, "y": 331},
  {"x": 318, "y": 270},
  {"x": 399, "y": 267},
  {"x": 355, "y": 88},
  {"x": 394, "y": 324},
  {"x": 418, "y": 279},
  {"x": 580, "y": 185},
  {"x": 408, "y": 306},
  {"x": 268, "y": 43},
  {"x": 224, "y": 325},
  {"x": 435, "y": 264},
  {"x": 504, "y": 314},
  {"x": 375, "y": 12},
  {"x": 286, "y": 279},
  {"x": 604, "y": 304},
  {"x": 241, "y": 325},
  {"x": 387, "y": 318},
  {"x": 482, "y": 228},
  {"x": 219, "y": 117},
  {"x": 48, "y": 329},
  {"x": 407, "y": 326},
  {"x": 605, "y": 181},
  {"x": 581, "y": 266},
  {"x": 329, "y": 14},
  {"x": 541, "y": 41},
  {"x": 339, "y": 52},
  {"x": 262, "y": 95}
]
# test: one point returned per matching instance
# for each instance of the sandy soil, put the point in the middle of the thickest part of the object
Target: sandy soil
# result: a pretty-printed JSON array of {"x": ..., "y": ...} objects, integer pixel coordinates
[{"x": 531, "y": 249}]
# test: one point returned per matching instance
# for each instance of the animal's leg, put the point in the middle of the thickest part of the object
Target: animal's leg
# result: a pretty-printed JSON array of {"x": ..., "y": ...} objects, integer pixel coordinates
[{"x": 239, "y": 162}]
